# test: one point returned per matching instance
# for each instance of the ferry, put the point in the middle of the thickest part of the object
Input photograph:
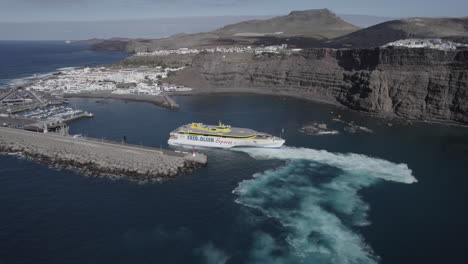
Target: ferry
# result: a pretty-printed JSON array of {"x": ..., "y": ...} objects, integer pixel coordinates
[{"x": 222, "y": 136}]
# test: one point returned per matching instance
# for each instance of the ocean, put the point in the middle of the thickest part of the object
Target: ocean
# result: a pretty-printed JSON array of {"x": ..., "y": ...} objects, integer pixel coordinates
[
  {"x": 397, "y": 195},
  {"x": 23, "y": 59}
]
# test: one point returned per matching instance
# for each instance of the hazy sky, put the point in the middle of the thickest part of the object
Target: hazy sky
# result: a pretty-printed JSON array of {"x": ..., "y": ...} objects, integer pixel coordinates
[{"x": 73, "y": 10}]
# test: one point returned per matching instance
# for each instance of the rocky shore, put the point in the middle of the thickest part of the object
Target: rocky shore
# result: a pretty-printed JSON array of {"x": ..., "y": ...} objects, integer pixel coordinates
[{"x": 98, "y": 158}]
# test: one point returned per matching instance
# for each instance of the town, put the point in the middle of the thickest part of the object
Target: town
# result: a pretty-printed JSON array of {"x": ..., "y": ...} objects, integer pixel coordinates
[
  {"x": 33, "y": 105},
  {"x": 430, "y": 43},
  {"x": 256, "y": 50},
  {"x": 143, "y": 80}
]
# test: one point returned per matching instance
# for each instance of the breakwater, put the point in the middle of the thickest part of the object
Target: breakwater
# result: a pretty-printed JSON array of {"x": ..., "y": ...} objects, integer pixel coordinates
[
  {"x": 159, "y": 100},
  {"x": 99, "y": 157},
  {"x": 170, "y": 102}
]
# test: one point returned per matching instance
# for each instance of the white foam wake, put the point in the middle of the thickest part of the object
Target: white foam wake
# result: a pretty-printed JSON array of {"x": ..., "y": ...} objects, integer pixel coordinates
[
  {"x": 315, "y": 198},
  {"x": 353, "y": 164}
]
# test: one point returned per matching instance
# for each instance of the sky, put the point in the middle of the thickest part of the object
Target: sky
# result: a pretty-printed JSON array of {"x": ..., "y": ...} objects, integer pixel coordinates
[
  {"x": 85, "y": 10},
  {"x": 85, "y": 19}
]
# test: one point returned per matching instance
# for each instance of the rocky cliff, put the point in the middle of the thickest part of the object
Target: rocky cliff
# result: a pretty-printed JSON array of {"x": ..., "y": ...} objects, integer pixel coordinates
[{"x": 412, "y": 83}]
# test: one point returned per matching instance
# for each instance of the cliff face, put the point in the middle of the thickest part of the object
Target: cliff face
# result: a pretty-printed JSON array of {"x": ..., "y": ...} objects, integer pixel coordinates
[{"x": 413, "y": 83}]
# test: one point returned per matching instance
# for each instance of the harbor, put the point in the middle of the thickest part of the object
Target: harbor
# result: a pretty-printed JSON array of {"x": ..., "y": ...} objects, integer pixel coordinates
[
  {"x": 38, "y": 116},
  {"x": 34, "y": 122},
  {"x": 55, "y": 115},
  {"x": 144, "y": 84},
  {"x": 333, "y": 135},
  {"x": 20, "y": 99}
]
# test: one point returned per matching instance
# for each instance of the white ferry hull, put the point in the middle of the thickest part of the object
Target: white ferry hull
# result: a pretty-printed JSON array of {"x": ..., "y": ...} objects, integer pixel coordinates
[{"x": 219, "y": 142}]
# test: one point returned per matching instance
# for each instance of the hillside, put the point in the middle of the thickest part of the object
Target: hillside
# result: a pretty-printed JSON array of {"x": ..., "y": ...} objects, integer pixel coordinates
[
  {"x": 303, "y": 29},
  {"x": 319, "y": 22},
  {"x": 405, "y": 28},
  {"x": 311, "y": 26},
  {"x": 364, "y": 21}
]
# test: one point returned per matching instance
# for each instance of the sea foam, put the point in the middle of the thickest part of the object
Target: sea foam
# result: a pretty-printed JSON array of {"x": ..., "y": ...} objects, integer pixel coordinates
[
  {"x": 352, "y": 164},
  {"x": 315, "y": 199}
]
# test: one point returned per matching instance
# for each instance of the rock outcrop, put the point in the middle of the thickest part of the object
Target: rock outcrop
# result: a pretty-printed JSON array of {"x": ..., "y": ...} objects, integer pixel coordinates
[{"x": 412, "y": 83}]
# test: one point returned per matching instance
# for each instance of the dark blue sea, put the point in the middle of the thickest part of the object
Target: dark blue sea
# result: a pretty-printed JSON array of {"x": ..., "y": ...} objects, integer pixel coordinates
[
  {"x": 22, "y": 59},
  {"x": 398, "y": 195}
]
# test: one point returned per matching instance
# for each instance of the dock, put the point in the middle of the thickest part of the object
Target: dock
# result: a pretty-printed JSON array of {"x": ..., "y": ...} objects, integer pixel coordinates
[
  {"x": 170, "y": 102},
  {"x": 98, "y": 157}
]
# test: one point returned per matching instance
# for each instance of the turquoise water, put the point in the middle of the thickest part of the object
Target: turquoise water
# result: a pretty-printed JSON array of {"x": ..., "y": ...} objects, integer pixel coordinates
[{"x": 395, "y": 196}]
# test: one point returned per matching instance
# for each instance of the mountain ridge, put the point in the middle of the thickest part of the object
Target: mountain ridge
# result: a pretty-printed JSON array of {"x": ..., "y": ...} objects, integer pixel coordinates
[
  {"x": 305, "y": 22},
  {"x": 315, "y": 28},
  {"x": 316, "y": 24}
]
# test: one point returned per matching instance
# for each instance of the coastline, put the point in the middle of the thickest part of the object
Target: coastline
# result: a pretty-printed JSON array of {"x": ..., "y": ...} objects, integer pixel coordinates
[
  {"x": 283, "y": 93},
  {"x": 165, "y": 100}
]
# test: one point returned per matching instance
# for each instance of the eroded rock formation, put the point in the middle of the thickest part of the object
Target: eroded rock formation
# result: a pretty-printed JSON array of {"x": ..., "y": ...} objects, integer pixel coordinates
[{"x": 412, "y": 83}]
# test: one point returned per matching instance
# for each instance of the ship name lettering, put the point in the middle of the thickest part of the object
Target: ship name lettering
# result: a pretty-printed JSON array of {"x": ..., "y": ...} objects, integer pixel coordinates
[
  {"x": 222, "y": 141},
  {"x": 197, "y": 138}
]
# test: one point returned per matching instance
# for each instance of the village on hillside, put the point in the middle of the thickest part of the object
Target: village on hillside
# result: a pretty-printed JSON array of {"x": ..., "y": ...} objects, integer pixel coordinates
[
  {"x": 255, "y": 50},
  {"x": 141, "y": 80}
]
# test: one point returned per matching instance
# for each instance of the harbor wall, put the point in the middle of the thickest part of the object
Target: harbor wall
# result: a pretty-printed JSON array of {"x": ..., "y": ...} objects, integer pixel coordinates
[
  {"x": 159, "y": 100},
  {"x": 100, "y": 158}
]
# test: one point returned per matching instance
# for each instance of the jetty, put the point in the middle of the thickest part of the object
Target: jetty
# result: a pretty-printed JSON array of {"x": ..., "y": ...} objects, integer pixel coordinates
[
  {"x": 170, "y": 102},
  {"x": 162, "y": 100},
  {"x": 100, "y": 157}
]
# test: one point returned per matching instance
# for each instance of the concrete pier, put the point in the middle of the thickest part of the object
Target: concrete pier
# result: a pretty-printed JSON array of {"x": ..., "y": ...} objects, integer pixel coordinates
[
  {"x": 160, "y": 100},
  {"x": 170, "y": 102},
  {"x": 98, "y": 157}
]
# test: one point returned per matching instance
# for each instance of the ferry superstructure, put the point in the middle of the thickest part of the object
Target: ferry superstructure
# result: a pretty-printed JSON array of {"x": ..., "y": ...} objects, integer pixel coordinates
[{"x": 222, "y": 136}]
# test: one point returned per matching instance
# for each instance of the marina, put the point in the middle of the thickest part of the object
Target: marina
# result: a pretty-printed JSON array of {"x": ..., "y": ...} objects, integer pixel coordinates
[
  {"x": 43, "y": 119},
  {"x": 20, "y": 99},
  {"x": 60, "y": 114}
]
